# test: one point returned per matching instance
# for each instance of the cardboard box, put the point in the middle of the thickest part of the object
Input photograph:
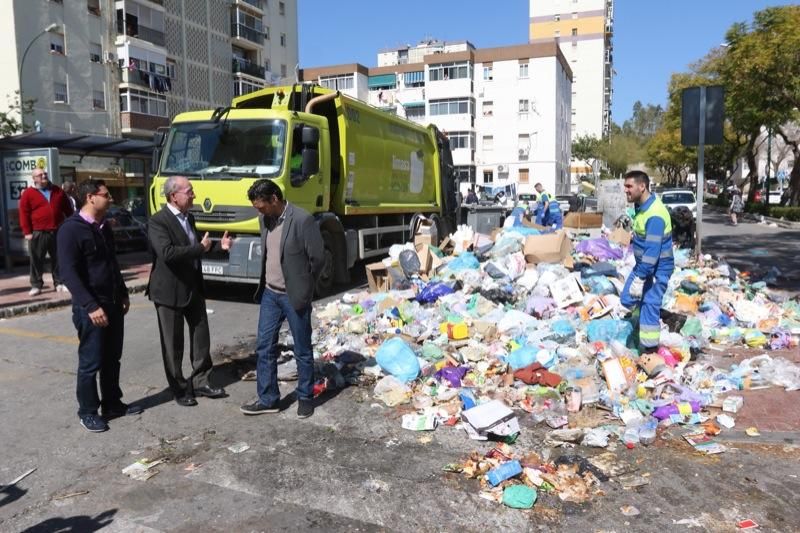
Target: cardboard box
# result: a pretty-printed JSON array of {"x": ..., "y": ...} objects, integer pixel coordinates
[
  {"x": 429, "y": 261},
  {"x": 528, "y": 224},
  {"x": 621, "y": 237},
  {"x": 549, "y": 248},
  {"x": 377, "y": 277},
  {"x": 583, "y": 220},
  {"x": 423, "y": 233}
]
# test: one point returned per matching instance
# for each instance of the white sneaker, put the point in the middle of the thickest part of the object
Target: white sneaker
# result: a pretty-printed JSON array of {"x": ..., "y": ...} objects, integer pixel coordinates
[
  {"x": 34, "y": 292},
  {"x": 62, "y": 288}
]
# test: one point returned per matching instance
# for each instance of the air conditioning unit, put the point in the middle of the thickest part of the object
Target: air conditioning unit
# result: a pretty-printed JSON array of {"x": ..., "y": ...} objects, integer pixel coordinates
[
  {"x": 523, "y": 151},
  {"x": 109, "y": 57},
  {"x": 501, "y": 168}
]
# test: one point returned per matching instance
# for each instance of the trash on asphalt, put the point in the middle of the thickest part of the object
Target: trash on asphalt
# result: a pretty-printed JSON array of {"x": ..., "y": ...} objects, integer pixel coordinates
[
  {"x": 143, "y": 469},
  {"x": 239, "y": 447},
  {"x": 491, "y": 334}
]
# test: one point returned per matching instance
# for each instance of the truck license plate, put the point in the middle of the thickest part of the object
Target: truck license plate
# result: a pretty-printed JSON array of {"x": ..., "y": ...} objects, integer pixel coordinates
[{"x": 212, "y": 269}]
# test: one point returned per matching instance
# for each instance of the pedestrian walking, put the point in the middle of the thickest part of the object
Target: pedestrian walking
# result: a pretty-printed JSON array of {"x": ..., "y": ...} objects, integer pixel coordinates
[
  {"x": 42, "y": 209},
  {"x": 736, "y": 206},
  {"x": 90, "y": 270},
  {"x": 652, "y": 249},
  {"x": 176, "y": 289},
  {"x": 291, "y": 261}
]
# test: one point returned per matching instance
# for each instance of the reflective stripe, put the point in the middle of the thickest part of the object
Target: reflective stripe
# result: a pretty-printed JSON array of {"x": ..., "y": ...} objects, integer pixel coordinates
[
  {"x": 666, "y": 253},
  {"x": 649, "y": 328},
  {"x": 654, "y": 238},
  {"x": 650, "y": 260},
  {"x": 648, "y": 343}
]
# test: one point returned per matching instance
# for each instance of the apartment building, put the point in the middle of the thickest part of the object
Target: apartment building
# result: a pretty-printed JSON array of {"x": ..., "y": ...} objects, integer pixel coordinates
[
  {"x": 506, "y": 110},
  {"x": 126, "y": 67},
  {"x": 584, "y": 30}
]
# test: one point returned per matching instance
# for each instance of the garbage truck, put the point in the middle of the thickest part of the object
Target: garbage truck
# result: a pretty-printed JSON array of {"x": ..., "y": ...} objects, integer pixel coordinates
[{"x": 368, "y": 177}]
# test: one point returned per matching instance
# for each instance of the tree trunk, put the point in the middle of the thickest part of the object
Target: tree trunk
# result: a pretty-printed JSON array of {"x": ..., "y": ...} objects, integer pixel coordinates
[
  {"x": 752, "y": 176},
  {"x": 794, "y": 180}
]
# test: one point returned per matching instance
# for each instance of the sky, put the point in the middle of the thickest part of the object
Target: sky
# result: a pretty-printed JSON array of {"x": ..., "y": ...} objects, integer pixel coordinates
[{"x": 652, "y": 38}]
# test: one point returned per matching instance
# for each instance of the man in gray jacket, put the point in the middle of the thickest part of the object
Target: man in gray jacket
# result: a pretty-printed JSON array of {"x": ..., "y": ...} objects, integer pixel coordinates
[{"x": 291, "y": 261}]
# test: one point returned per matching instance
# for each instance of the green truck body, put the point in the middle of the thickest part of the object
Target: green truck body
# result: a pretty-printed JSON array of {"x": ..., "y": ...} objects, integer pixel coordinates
[{"x": 365, "y": 175}]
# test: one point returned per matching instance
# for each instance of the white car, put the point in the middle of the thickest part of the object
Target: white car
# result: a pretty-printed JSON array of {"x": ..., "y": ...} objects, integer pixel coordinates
[{"x": 673, "y": 198}]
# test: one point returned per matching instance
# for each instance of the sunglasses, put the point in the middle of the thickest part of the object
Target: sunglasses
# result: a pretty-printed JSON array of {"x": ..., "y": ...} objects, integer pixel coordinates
[{"x": 103, "y": 194}]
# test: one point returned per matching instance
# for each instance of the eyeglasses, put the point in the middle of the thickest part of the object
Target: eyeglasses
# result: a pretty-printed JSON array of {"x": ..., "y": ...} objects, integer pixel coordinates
[{"x": 103, "y": 194}]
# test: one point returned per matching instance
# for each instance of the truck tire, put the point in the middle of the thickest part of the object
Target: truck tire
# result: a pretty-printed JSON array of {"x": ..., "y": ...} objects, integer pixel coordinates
[{"x": 325, "y": 280}]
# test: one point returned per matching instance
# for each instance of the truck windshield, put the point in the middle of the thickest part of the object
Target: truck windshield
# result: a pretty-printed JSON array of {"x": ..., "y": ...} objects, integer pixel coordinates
[{"x": 228, "y": 149}]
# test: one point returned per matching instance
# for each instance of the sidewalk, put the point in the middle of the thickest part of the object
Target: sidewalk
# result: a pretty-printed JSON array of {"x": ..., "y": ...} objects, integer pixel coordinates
[{"x": 14, "y": 286}]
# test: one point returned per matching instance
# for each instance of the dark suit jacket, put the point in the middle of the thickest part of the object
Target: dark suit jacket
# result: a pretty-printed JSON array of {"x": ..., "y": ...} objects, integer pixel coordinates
[
  {"x": 302, "y": 255},
  {"x": 175, "y": 276}
]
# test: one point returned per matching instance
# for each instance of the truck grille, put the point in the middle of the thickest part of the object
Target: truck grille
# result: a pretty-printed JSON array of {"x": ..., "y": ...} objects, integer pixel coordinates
[{"x": 224, "y": 213}]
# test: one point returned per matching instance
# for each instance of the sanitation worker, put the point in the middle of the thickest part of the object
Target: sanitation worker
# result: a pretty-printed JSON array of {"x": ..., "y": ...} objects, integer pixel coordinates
[
  {"x": 550, "y": 210},
  {"x": 652, "y": 248}
]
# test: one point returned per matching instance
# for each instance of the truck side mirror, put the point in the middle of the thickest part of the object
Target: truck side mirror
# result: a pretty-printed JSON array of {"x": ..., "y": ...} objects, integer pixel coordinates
[
  {"x": 310, "y": 136},
  {"x": 310, "y": 162}
]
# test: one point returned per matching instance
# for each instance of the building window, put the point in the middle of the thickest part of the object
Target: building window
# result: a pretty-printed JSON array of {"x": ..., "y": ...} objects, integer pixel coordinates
[
  {"x": 523, "y": 146},
  {"x": 452, "y": 106},
  {"x": 523, "y": 70},
  {"x": 414, "y": 79},
  {"x": 338, "y": 83},
  {"x": 98, "y": 100},
  {"x": 266, "y": 32},
  {"x": 449, "y": 71},
  {"x": 56, "y": 43},
  {"x": 95, "y": 53},
  {"x": 267, "y": 66},
  {"x": 487, "y": 73},
  {"x": 417, "y": 114},
  {"x": 170, "y": 70},
  {"x": 557, "y": 17},
  {"x": 242, "y": 86},
  {"x": 461, "y": 139},
  {"x": 488, "y": 143},
  {"x": 143, "y": 102},
  {"x": 282, "y": 8},
  {"x": 487, "y": 108},
  {"x": 283, "y": 71},
  {"x": 523, "y": 175},
  {"x": 574, "y": 32},
  {"x": 283, "y": 39},
  {"x": 574, "y": 45},
  {"x": 93, "y": 6},
  {"x": 60, "y": 95},
  {"x": 524, "y": 106},
  {"x": 465, "y": 174},
  {"x": 488, "y": 176}
]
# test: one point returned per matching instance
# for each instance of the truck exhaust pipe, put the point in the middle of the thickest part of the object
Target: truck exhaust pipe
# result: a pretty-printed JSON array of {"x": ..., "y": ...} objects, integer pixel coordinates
[{"x": 319, "y": 99}]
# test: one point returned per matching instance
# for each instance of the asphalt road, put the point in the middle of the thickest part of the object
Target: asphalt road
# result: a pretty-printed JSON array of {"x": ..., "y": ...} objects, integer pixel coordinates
[{"x": 350, "y": 467}]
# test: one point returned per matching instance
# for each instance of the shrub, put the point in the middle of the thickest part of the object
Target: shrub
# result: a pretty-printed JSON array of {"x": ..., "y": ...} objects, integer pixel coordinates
[{"x": 786, "y": 213}]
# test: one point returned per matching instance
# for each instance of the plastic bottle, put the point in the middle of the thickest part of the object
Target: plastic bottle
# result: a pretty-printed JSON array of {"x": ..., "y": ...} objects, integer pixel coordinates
[
  {"x": 647, "y": 431},
  {"x": 682, "y": 408},
  {"x": 631, "y": 435},
  {"x": 503, "y": 472}
]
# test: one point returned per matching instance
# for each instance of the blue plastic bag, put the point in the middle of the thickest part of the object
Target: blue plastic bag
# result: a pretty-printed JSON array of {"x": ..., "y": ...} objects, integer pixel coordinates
[
  {"x": 395, "y": 357},
  {"x": 608, "y": 329},
  {"x": 598, "y": 285},
  {"x": 563, "y": 330},
  {"x": 521, "y": 357},
  {"x": 433, "y": 291},
  {"x": 465, "y": 261}
]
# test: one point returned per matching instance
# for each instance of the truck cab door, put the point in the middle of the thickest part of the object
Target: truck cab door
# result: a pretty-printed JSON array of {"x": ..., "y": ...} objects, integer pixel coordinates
[{"x": 308, "y": 167}]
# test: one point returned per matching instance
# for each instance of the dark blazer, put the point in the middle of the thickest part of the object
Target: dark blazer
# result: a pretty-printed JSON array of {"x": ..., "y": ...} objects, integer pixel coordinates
[
  {"x": 302, "y": 255},
  {"x": 175, "y": 275}
]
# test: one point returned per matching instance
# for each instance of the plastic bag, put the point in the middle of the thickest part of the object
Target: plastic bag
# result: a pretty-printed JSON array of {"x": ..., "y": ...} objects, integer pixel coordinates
[
  {"x": 599, "y": 248},
  {"x": 409, "y": 262},
  {"x": 395, "y": 357},
  {"x": 465, "y": 261},
  {"x": 599, "y": 285},
  {"x": 522, "y": 357},
  {"x": 433, "y": 291},
  {"x": 563, "y": 331},
  {"x": 392, "y": 391},
  {"x": 692, "y": 328},
  {"x": 608, "y": 329},
  {"x": 519, "y": 496},
  {"x": 540, "y": 306}
]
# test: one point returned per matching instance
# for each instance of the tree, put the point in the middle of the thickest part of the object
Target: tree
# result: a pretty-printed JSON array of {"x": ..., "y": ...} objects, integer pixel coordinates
[
  {"x": 9, "y": 123},
  {"x": 763, "y": 87},
  {"x": 587, "y": 148},
  {"x": 644, "y": 122},
  {"x": 619, "y": 151}
]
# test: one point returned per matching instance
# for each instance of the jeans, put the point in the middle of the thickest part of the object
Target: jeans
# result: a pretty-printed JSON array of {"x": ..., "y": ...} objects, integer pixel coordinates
[
  {"x": 275, "y": 307},
  {"x": 99, "y": 351}
]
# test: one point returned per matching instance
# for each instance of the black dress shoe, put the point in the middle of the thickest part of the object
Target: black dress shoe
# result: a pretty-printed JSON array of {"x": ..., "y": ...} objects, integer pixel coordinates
[
  {"x": 209, "y": 392},
  {"x": 186, "y": 401},
  {"x": 122, "y": 409}
]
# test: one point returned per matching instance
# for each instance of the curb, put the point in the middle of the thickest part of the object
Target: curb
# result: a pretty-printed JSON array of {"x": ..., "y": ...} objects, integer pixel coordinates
[
  {"x": 786, "y": 224},
  {"x": 25, "y": 309}
]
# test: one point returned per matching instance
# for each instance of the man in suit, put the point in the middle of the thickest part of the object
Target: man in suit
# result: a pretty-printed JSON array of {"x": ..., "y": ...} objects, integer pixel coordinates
[
  {"x": 291, "y": 261},
  {"x": 176, "y": 289}
]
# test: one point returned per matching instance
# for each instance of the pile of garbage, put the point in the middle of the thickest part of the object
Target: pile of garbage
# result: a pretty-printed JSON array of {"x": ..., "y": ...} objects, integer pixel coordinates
[{"x": 483, "y": 330}]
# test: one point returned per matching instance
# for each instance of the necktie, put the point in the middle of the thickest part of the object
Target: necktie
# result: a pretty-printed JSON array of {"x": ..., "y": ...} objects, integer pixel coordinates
[{"x": 188, "y": 228}]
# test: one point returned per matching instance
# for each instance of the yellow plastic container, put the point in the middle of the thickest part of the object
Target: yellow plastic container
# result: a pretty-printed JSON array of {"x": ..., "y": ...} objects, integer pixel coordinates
[{"x": 454, "y": 332}]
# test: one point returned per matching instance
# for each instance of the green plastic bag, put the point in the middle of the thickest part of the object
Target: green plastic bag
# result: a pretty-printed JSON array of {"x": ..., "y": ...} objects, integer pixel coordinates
[
  {"x": 519, "y": 496},
  {"x": 692, "y": 328}
]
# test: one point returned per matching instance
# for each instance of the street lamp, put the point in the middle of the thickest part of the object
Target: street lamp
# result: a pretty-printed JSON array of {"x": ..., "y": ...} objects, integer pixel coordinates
[{"x": 50, "y": 28}]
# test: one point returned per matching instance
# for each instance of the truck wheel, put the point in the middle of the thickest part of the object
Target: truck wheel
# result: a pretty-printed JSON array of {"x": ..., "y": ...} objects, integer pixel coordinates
[{"x": 325, "y": 280}]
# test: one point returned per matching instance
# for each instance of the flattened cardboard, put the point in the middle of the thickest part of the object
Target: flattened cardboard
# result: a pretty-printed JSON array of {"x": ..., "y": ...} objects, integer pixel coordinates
[
  {"x": 621, "y": 237},
  {"x": 583, "y": 220},
  {"x": 429, "y": 262},
  {"x": 548, "y": 248}
]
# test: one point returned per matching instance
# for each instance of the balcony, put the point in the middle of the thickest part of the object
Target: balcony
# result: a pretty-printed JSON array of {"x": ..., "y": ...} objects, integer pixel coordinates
[
  {"x": 240, "y": 31},
  {"x": 139, "y": 121},
  {"x": 144, "y": 33},
  {"x": 242, "y": 66},
  {"x": 258, "y": 4}
]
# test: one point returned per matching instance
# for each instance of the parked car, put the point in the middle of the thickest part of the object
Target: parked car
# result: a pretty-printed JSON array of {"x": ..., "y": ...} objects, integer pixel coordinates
[
  {"x": 673, "y": 198},
  {"x": 129, "y": 234}
]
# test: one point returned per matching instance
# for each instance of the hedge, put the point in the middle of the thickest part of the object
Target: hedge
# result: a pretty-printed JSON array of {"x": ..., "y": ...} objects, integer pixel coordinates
[{"x": 757, "y": 208}]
